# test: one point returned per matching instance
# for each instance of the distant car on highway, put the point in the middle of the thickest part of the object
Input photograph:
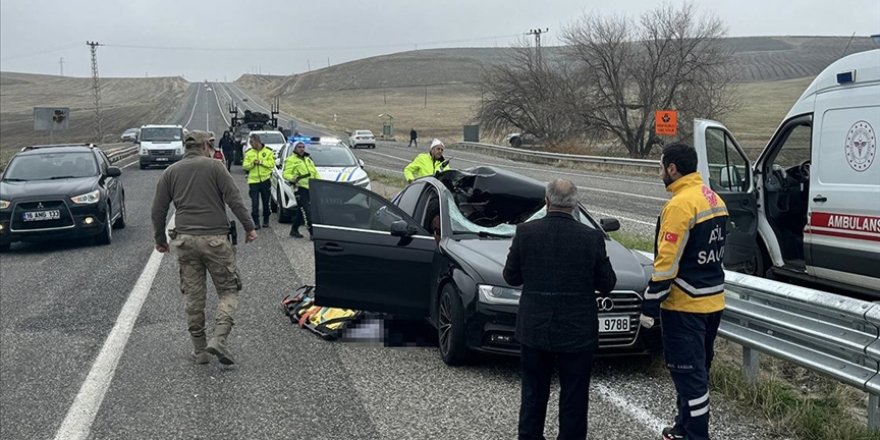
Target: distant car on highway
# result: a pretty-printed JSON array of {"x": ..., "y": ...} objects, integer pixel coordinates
[
  {"x": 160, "y": 144},
  {"x": 52, "y": 192},
  {"x": 334, "y": 161},
  {"x": 130, "y": 135},
  {"x": 362, "y": 138},
  {"x": 381, "y": 256}
]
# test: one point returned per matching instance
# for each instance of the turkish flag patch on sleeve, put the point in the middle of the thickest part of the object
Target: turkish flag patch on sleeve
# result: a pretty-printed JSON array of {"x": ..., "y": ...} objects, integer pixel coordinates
[{"x": 670, "y": 237}]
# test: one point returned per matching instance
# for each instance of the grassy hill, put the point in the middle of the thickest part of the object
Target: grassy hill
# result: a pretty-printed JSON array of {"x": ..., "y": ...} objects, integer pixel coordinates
[
  {"x": 126, "y": 102},
  {"x": 436, "y": 91}
]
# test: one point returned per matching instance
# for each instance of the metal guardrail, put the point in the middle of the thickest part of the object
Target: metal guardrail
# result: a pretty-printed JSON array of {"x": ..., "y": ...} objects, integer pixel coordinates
[
  {"x": 561, "y": 157},
  {"x": 834, "y": 335},
  {"x": 830, "y": 334},
  {"x": 117, "y": 154}
]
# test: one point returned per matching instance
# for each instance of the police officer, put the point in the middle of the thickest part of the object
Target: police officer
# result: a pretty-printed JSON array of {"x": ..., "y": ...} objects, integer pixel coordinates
[
  {"x": 200, "y": 189},
  {"x": 299, "y": 169},
  {"x": 259, "y": 162},
  {"x": 426, "y": 164},
  {"x": 687, "y": 287}
]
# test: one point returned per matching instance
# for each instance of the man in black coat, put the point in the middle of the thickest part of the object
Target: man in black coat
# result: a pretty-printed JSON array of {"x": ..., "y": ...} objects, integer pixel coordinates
[
  {"x": 227, "y": 144},
  {"x": 561, "y": 264}
]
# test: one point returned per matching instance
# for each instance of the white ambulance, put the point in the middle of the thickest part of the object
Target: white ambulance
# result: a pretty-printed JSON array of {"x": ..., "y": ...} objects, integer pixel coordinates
[{"x": 809, "y": 207}]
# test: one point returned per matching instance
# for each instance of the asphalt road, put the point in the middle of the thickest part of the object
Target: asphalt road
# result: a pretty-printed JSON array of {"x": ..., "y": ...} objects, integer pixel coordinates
[{"x": 94, "y": 345}]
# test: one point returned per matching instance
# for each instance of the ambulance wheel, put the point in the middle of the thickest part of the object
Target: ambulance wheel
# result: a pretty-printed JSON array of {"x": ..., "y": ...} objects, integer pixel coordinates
[
  {"x": 759, "y": 264},
  {"x": 450, "y": 327}
]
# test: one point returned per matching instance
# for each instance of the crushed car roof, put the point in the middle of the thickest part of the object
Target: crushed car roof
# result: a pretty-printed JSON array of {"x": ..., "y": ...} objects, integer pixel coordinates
[{"x": 490, "y": 196}]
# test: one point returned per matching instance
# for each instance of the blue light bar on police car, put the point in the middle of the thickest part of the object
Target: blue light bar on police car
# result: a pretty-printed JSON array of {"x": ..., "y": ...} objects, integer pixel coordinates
[{"x": 304, "y": 139}]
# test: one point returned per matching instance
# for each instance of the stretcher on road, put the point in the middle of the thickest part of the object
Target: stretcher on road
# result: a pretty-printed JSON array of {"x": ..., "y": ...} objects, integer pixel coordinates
[{"x": 327, "y": 322}]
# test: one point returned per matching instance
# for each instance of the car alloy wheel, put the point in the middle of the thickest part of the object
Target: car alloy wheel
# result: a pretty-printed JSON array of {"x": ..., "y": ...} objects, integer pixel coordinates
[{"x": 450, "y": 327}]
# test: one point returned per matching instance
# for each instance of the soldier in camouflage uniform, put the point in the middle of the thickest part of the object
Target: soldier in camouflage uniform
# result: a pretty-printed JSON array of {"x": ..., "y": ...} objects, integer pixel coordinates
[{"x": 200, "y": 189}]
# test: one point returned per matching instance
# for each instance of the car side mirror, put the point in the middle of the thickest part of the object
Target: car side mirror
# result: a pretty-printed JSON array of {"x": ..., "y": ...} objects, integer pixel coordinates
[
  {"x": 401, "y": 228},
  {"x": 609, "y": 224},
  {"x": 361, "y": 162},
  {"x": 113, "y": 172}
]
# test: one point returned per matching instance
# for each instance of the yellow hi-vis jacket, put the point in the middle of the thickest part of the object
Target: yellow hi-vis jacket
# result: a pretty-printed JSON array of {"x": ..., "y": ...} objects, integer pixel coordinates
[
  {"x": 300, "y": 168},
  {"x": 423, "y": 165},
  {"x": 263, "y": 171},
  {"x": 688, "y": 249}
]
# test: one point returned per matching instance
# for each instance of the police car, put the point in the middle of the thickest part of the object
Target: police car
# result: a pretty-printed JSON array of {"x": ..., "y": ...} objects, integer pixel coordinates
[{"x": 334, "y": 161}]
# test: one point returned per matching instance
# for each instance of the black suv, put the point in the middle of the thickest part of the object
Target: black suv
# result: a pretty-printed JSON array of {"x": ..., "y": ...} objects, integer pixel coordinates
[{"x": 50, "y": 192}]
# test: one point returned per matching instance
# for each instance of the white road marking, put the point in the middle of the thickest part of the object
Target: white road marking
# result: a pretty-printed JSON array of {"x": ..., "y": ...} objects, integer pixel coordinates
[
  {"x": 619, "y": 217},
  {"x": 137, "y": 160},
  {"x": 216, "y": 97},
  {"x": 78, "y": 422},
  {"x": 626, "y": 405},
  {"x": 207, "y": 121},
  {"x": 195, "y": 104}
]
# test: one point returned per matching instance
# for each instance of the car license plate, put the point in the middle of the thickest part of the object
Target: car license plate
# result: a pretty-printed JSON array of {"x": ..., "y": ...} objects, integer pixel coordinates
[
  {"x": 161, "y": 159},
  {"x": 42, "y": 215},
  {"x": 613, "y": 324}
]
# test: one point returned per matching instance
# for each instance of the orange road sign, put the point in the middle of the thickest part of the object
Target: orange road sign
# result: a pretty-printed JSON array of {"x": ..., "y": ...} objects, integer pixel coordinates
[{"x": 666, "y": 122}]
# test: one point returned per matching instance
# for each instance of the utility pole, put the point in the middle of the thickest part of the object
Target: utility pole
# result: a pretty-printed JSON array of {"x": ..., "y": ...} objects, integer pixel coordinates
[
  {"x": 309, "y": 64},
  {"x": 61, "y": 63},
  {"x": 426, "y": 96},
  {"x": 328, "y": 62},
  {"x": 96, "y": 88},
  {"x": 537, "y": 34}
]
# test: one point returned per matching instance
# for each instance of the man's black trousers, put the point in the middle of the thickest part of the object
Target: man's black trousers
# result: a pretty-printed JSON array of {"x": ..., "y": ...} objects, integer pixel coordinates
[
  {"x": 259, "y": 191},
  {"x": 301, "y": 217},
  {"x": 574, "y": 380},
  {"x": 688, "y": 345}
]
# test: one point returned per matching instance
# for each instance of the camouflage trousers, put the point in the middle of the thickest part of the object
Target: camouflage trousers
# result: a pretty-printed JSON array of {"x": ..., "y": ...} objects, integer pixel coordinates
[{"x": 197, "y": 254}]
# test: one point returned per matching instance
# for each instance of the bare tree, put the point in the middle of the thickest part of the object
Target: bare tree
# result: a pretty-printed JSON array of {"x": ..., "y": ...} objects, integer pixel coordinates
[
  {"x": 527, "y": 94},
  {"x": 625, "y": 70}
]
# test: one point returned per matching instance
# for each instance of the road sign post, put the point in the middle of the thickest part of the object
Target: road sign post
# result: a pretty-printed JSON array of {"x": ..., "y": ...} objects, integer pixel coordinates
[
  {"x": 51, "y": 119},
  {"x": 666, "y": 122}
]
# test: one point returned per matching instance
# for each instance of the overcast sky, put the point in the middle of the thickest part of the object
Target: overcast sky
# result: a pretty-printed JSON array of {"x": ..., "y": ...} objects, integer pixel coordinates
[{"x": 210, "y": 39}]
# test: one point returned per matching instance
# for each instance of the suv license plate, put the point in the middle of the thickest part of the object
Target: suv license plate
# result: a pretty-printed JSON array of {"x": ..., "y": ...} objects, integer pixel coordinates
[
  {"x": 42, "y": 215},
  {"x": 161, "y": 159},
  {"x": 613, "y": 324}
]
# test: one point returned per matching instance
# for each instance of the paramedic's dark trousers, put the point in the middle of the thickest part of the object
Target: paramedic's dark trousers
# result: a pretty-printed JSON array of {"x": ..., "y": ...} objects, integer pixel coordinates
[
  {"x": 259, "y": 191},
  {"x": 301, "y": 217},
  {"x": 574, "y": 397},
  {"x": 688, "y": 345}
]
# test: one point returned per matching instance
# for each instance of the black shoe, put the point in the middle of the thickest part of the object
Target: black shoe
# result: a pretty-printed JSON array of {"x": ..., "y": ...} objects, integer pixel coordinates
[
  {"x": 296, "y": 234},
  {"x": 265, "y": 223},
  {"x": 256, "y": 226},
  {"x": 672, "y": 433}
]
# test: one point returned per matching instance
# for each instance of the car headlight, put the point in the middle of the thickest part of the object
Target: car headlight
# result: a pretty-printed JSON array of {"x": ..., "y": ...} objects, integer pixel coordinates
[
  {"x": 144, "y": 152},
  {"x": 4, "y": 204},
  {"x": 87, "y": 198},
  {"x": 498, "y": 295}
]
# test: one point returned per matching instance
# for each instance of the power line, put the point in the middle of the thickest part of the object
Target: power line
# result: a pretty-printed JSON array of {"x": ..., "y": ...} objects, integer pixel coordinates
[
  {"x": 42, "y": 52},
  {"x": 302, "y": 49}
]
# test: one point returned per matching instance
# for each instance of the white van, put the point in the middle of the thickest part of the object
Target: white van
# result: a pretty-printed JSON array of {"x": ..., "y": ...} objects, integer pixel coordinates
[
  {"x": 160, "y": 144},
  {"x": 810, "y": 206}
]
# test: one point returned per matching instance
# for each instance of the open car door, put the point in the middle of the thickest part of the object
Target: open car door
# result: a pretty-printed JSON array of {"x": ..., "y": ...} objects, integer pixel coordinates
[
  {"x": 369, "y": 254},
  {"x": 726, "y": 169}
]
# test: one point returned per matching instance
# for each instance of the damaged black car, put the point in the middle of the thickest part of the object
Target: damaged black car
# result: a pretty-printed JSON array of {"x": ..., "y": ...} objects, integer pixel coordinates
[{"x": 437, "y": 251}]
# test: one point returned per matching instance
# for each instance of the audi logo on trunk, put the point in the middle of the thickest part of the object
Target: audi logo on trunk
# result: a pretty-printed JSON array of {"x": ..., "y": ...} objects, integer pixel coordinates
[{"x": 604, "y": 304}]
